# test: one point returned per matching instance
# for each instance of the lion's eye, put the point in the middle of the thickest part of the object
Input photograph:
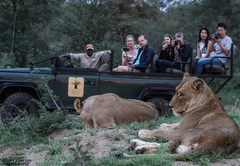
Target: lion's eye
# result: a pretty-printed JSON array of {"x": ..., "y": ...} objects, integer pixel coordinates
[{"x": 180, "y": 95}]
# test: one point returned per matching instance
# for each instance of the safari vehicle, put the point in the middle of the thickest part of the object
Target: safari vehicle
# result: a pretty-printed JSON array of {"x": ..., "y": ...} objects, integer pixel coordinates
[{"x": 19, "y": 85}]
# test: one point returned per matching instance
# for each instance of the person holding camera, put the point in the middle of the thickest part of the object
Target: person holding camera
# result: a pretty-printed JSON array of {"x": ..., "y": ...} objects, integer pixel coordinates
[
  {"x": 129, "y": 53},
  {"x": 180, "y": 52},
  {"x": 90, "y": 59},
  {"x": 143, "y": 59},
  {"x": 220, "y": 44}
]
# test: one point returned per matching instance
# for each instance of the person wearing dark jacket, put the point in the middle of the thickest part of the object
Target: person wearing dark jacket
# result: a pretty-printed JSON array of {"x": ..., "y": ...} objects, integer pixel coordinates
[
  {"x": 167, "y": 51},
  {"x": 181, "y": 53},
  {"x": 144, "y": 57}
]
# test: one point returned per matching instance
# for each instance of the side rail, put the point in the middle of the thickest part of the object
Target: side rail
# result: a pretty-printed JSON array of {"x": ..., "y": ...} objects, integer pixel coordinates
[
  {"x": 185, "y": 66},
  {"x": 219, "y": 70},
  {"x": 211, "y": 72},
  {"x": 150, "y": 67}
]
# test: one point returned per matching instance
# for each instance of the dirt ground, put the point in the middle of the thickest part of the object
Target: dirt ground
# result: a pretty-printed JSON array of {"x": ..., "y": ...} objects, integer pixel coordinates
[{"x": 100, "y": 145}]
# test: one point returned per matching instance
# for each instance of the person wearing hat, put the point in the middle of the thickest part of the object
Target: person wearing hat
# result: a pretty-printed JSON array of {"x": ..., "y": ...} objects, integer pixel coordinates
[{"x": 90, "y": 59}]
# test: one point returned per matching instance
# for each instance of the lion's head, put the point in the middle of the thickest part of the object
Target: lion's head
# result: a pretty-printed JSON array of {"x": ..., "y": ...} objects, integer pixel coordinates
[{"x": 193, "y": 94}]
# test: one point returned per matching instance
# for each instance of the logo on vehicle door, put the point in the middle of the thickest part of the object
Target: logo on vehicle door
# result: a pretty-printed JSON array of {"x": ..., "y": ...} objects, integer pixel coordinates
[{"x": 75, "y": 86}]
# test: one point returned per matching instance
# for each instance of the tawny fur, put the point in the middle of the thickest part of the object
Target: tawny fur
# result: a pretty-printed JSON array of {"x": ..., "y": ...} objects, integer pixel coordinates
[
  {"x": 205, "y": 126},
  {"x": 109, "y": 110}
]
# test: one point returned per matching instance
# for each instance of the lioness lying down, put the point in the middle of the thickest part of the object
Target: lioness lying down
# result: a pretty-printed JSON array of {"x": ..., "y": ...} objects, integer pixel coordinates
[
  {"x": 109, "y": 110},
  {"x": 205, "y": 126}
]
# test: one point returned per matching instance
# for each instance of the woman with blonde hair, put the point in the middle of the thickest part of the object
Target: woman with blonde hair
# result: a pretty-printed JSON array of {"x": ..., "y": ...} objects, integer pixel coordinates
[{"x": 128, "y": 56}]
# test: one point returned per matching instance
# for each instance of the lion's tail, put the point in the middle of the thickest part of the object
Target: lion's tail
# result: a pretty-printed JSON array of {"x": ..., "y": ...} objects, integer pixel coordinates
[{"x": 78, "y": 105}]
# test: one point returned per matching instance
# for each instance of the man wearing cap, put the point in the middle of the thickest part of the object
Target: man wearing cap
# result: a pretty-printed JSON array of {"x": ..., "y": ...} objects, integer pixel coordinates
[{"x": 89, "y": 59}]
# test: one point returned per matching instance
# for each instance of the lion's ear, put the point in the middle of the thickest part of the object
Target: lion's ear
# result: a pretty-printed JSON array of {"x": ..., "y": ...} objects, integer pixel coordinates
[
  {"x": 78, "y": 105},
  {"x": 197, "y": 85},
  {"x": 186, "y": 75}
]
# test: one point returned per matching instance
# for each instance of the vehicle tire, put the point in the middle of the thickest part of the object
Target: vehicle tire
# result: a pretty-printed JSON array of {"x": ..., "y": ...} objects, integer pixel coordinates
[
  {"x": 8, "y": 66},
  {"x": 18, "y": 105},
  {"x": 162, "y": 106}
]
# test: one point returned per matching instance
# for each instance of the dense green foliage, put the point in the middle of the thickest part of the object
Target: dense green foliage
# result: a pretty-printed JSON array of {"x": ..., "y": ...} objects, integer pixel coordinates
[{"x": 31, "y": 30}]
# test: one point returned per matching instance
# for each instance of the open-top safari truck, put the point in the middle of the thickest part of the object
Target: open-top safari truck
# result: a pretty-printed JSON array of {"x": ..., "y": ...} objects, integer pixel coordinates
[{"x": 19, "y": 85}]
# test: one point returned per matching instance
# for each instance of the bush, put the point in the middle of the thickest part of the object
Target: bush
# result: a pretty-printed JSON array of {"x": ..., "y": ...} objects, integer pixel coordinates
[
  {"x": 31, "y": 127},
  {"x": 229, "y": 94}
]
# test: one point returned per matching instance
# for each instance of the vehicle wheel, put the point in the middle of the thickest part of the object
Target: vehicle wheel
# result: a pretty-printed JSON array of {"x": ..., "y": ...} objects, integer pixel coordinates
[
  {"x": 8, "y": 66},
  {"x": 162, "y": 106},
  {"x": 18, "y": 105}
]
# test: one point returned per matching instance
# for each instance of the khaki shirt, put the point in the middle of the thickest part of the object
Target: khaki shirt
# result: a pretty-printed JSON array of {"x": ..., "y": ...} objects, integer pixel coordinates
[{"x": 87, "y": 61}]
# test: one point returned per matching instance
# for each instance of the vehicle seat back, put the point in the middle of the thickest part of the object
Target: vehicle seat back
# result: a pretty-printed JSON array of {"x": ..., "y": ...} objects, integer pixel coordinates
[
  {"x": 104, "y": 62},
  {"x": 189, "y": 66},
  {"x": 215, "y": 69},
  {"x": 152, "y": 66}
]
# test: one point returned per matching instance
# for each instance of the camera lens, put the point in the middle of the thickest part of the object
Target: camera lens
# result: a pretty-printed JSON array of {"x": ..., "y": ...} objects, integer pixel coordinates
[
  {"x": 176, "y": 42},
  {"x": 216, "y": 35}
]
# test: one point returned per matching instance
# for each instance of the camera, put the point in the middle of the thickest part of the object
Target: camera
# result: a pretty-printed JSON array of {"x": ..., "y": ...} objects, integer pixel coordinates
[
  {"x": 217, "y": 35},
  {"x": 176, "y": 42},
  {"x": 125, "y": 49}
]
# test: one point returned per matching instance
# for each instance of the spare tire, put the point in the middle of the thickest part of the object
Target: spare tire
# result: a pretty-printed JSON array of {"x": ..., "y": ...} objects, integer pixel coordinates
[
  {"x": 162, "y": 106},
  {"x": 18, "y": 105}
]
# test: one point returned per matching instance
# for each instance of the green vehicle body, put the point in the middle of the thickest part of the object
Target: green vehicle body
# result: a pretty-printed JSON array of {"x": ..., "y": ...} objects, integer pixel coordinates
[
  {"x": 126, "y": 85},
  {"x": 70, "y": 83}
]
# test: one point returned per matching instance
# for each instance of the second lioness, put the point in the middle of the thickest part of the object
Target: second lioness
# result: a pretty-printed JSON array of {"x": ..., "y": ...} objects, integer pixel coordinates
[{"x": 108, "y": 110}]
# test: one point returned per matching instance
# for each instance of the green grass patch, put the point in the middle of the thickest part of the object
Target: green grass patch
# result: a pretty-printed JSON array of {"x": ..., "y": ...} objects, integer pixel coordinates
[
  {"x": 161, "y": 158},
  {"x": 32, "y": 129},
  {"x": 135, "y": 126},
  {"x": 207, "y": 159},
  {"x": 234, "y": 112},
  {"x": 116, "y": 137},
  {"x": 93, "y": 131}
]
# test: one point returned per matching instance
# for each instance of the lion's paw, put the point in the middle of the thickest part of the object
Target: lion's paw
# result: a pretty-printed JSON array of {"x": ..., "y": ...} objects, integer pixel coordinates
[
  {"x": 140, "y": 150},
  {"x": 133, "y": 144},
  {"x": 182, "y": 149},
  {"x": 144, "y": 134},
  {"x": 148, "y": 148},
  {"x": 136, "y": 142},
  {"x": 166, "y": 126}
]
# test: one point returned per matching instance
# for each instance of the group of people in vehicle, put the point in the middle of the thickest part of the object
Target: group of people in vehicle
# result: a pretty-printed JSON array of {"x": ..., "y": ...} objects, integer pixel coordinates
[
  {"x": 219, "y": 46},
  {"x": 173, "y": 52}
]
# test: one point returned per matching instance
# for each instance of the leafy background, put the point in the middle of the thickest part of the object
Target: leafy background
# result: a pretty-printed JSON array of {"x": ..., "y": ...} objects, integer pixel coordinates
[{"x": 32, "y": 30}]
